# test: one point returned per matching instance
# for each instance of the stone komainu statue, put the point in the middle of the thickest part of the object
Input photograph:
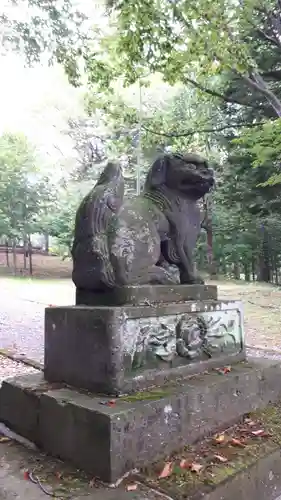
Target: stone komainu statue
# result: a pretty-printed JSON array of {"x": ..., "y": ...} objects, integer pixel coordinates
[{"x": 121, "y": 241}]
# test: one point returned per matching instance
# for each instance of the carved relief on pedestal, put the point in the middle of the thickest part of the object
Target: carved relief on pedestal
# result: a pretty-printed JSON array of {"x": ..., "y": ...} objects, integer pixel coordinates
[{"x": 178, "y": 339}]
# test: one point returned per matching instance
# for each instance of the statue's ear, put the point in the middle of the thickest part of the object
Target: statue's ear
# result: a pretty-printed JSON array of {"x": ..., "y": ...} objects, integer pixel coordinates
[{"x": 158, "y": 171}]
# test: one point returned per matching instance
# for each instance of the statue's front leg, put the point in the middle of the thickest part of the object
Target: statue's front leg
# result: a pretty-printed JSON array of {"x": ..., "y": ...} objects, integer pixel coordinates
[
  {"x": 189, "y": 279},
  {"x": 180, "y": 244},
  {"x": 188, "y": 275}
]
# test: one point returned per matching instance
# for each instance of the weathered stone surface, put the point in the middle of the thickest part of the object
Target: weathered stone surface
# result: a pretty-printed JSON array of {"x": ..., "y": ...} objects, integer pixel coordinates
[
  {"x": 129, "y": 241},
  {"x": 146, "y": 295},
  {"x": 116, "y": 350},
  {"x": 107, "y": 441},
  {"x": 19, "y": 404}
]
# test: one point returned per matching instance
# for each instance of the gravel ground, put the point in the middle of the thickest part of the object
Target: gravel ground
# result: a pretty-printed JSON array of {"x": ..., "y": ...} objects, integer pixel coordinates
[
  {"x": 23, "y": 305},
  {"x": 22, "y": 313},
  {"x": 22, "y": 327},
  {"x": 9, "y": 368}
]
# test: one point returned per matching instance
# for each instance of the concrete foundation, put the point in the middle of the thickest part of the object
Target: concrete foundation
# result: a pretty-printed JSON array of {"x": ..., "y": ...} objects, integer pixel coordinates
[{"x": 109, "y": 440}]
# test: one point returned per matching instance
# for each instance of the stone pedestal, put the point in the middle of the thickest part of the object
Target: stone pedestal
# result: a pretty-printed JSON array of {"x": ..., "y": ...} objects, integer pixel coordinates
[
  {"x": 140, "y": 337},
  {"x": 109, "y": 440},
  {"x": 141, "y": 344}
]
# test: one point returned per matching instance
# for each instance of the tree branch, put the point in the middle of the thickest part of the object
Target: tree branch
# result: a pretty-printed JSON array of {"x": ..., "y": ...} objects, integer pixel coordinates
[
  {"x": 256, "y": 82},
  {"x": 204, "y": 130},
  {"x": 276, "y": 74},
  {"x": 214, "y": 93},
  {"x": 269, "y": 38}
]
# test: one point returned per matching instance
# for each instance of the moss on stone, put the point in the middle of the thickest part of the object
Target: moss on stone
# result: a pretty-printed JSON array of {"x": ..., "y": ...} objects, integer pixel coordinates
[
  {"x": 172, "y": 386},
  {"x": 146, "y": 395}
]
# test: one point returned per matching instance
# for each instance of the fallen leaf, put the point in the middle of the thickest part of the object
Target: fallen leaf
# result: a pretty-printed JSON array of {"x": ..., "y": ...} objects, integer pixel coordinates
[
  {"x": 4, "y": 439},
  {"x": 223, "y": 370},
  {"x": 167, "y": 470},
  {"x": 184, "y": 464},
  {"x": 131, "y": 487},
  {"x": 221, "y": 458},
  {"x": 112, "y": 402},
  {"x": 196, "y": 467},
  {"x": 227, "y": 369},
  {"x": 219, "y": 438},
  {"x": 260, "y": 432},
  {"x": 237, "y": 442}
]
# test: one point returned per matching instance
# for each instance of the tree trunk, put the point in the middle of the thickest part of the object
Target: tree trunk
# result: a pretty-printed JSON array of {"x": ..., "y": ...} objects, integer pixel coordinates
[
  {"x": 7, "y": 253},
  {"x": 30, "y": 256},
  {"x": 264, "y": 270},
  {"x": 223, "y": 267},
  {"x": 46, "y": 237},
  {"x": 247, "y": 271},
  {"x": 236, "y": 271},
  {"x": 275, "y": 269},
  {"x": 25, "y": 253},
  {"x": 253, "y": 269},
  {"x": 14, "y": 258}
]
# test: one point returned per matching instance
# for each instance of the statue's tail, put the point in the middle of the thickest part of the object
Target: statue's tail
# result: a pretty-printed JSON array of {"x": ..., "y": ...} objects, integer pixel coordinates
[{"x": 92, "y": 267}]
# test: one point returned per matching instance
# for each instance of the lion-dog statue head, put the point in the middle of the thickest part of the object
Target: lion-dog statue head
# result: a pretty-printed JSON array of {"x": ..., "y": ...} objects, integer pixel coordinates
[{"x": 188, "y": 174}]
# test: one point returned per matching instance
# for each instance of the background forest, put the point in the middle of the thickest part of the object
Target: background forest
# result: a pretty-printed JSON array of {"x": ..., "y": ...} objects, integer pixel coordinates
[{"x": 82, "y": 82}]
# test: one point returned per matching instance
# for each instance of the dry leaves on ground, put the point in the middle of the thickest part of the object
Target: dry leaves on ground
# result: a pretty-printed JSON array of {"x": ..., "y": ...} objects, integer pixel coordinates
[
  {"x": 205, "y": 457},
  {"x": 131, "y": 487},
  {"x": 166, "y": 471}
]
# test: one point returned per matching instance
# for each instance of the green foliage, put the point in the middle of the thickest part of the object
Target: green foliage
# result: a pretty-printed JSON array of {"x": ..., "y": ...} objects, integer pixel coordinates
[
  {"x": 169, "y": 36},
  {"x": 24, "y": 193},
  {"x": 49, "y": 30},
  {"x": 264, "y": 146},
  {"x": 60, "y": 217}
]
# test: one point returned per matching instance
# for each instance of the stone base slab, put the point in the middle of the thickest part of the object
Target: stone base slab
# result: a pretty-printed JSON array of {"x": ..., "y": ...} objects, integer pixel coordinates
[
  {"x": 146, "y": 295},
  {"x": 108, "y": 441},
  {"x": 118, "y": 350}
]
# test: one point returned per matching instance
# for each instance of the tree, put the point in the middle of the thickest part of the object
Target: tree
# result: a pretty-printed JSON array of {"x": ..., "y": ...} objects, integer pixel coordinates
[
  {"x": 193, "y": 42},
  {"x": 24, "y": 193},
  {"x": 54, "y": 30}
]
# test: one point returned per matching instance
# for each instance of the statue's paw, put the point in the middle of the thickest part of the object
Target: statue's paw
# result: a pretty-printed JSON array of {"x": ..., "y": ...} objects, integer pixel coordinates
[{"x": 194, "y": 280}]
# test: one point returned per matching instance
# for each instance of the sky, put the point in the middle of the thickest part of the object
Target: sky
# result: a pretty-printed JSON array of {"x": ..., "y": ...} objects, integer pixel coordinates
[{"x": 38, "y": 101}]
